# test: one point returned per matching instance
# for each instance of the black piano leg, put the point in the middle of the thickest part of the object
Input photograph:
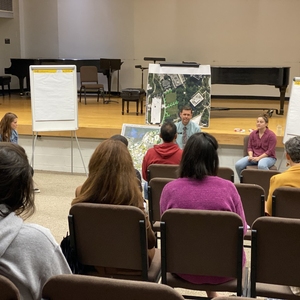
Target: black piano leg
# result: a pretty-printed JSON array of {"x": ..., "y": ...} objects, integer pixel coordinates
[{"x": 282, "y": 90}]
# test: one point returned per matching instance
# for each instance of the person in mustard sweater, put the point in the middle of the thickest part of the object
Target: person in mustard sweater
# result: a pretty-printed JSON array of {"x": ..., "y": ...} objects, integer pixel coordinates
[{"x": 290, "y": 177}]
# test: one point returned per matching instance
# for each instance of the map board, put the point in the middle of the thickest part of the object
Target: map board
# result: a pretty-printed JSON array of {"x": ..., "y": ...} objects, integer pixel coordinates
[
  {"x": 292, "y": 127},
  {"x": 172, "y": 87}
]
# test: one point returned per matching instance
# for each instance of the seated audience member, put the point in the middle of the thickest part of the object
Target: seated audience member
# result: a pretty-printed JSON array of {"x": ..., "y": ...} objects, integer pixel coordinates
[
  {"x": 29, "y": 255},
  {"x": 199, "y": 187},
  {"x": 261, "y": 147},
  {"x": 166, "y": 153},
  {"x": 8, "y": 128},
  {"x": 112, "y": 180},
  {"x": 186, "y": 127},
  {"x": 121, "y": 138},
  {"x": 290, "y": 177}
]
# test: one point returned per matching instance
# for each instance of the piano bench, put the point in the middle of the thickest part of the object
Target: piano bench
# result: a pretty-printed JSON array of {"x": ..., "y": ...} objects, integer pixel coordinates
[
  {"x": 5, "y": 80},
  {"x": 133, "y": 95}
]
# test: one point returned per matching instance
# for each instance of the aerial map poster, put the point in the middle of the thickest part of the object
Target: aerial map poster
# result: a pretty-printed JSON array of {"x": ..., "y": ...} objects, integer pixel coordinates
[{"x": 170, "y": 88}]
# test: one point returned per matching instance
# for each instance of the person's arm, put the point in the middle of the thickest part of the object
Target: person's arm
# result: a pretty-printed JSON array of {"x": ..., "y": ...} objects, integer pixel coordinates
[{"x": 144, "y": 168}]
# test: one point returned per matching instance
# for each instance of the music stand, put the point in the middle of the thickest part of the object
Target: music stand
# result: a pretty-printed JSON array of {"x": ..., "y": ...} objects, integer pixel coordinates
[
  {"x": 110, "y": 65},
  {"x": 155, "y": 59},
  {"x": 142, "y": 69}
]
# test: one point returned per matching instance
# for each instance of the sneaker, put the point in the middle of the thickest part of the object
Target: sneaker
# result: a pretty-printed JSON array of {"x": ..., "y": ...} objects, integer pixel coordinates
[{"x": 36, "y": 190}]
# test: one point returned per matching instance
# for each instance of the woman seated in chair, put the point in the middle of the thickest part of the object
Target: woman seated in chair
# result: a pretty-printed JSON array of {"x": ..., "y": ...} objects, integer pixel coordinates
[
  {"x": 261, "y": 147},
  {"x": 112, "y": 180},
  {"x": 198, "y": 187},
  {"x": 29, "y": 254}
]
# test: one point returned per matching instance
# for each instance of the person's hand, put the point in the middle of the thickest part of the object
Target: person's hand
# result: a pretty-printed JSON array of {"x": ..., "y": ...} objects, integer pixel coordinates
[
  {"x": 250, "y": 158},
  {"x": 255, "y": 159}
]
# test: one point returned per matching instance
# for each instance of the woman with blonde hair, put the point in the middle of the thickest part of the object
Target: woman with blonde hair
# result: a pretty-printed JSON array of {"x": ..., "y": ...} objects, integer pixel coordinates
[{"x": 112, "y": 180}]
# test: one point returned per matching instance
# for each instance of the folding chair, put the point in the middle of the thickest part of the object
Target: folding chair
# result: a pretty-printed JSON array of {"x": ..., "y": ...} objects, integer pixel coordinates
[
  {"x": 253, "y": 199},
  {"x": 275, "y": 260},
  {"x": 8, "y": 291},
  {"x": 226, "y": 173},
  {"x": 259, "y": 177},
  {"x": 78, "y": 287},
  {"x": 155, "y": 188},
  {"x": 89, "y": 81},
  {"x": 286, "y": 202},
  {"x": 163, "y": 171},
  {"x": 201, "y": 242},
  {"x": 112, "y": 236}
]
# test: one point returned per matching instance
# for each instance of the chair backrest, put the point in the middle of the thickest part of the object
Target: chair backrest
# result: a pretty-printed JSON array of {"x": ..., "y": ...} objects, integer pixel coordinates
[
  {"x": 245, "y": 149},
  {"x": 8, "y": 291},
  {"x": 191, "y": 239},
  {"x": 275, "y": 252},
  {"x": 109, "y": 236},
  {"x": 78, "y": 287},
  {"x": 253, "y": 199},
  {"x": 259, "y": 177},
  {"x": 155, "y": 188},
  {"x": 286, "y": 202},
  {"x": 226, "y": 173},
  {"x": 88, "y": 74},
  {"x": 163, "y": 171}
]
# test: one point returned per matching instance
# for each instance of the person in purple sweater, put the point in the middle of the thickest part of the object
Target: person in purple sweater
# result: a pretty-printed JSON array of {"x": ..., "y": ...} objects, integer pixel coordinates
[{"x": 198, "y": 187}]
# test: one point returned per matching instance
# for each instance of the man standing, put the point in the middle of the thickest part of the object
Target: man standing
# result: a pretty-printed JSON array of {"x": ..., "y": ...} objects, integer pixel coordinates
[
  {"x": 185, "y": 128},
  {"x": 166, "y": 153}
]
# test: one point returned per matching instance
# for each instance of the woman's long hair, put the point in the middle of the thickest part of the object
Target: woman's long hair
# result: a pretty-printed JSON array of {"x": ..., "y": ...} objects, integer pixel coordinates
[
  {"x": 5, "y": 126},
  {"x": 112, "y": 178},
  {"x": 16, "y": 184},
  {"x": 200, "y": 157}
]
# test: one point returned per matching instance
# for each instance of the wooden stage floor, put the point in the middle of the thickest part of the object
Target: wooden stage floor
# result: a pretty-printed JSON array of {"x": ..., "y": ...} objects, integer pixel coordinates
[{"x": 98, "y": 120}]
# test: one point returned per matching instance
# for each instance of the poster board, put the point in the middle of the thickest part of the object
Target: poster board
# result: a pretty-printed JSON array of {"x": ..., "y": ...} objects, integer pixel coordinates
[
  {"x": 170, "y": 88},
  {"x": 292, "y": 127},
  {"x": 140, "y": 139},
  {"x": 54, "y": 103}
]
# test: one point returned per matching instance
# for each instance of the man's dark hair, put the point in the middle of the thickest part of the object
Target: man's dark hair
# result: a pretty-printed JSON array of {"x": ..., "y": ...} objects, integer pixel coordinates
[
  {"x": 168, "y": 131},
  {"x": 186, "y": 107},
  {"x": 200, "y": 156},
  {"x": 119, "y": 137}
]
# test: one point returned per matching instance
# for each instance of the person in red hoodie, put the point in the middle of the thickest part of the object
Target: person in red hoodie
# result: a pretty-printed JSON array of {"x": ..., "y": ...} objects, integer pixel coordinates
[{"x": 166, "y": 153}]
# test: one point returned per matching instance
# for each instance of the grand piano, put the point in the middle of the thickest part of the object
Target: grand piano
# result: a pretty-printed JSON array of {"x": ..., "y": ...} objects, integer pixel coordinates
[
  {"x": 20, "y": 67},
  {"x": 276, "y": 76}
]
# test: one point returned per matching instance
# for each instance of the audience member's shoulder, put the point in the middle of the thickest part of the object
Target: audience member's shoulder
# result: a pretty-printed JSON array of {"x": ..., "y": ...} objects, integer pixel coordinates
[{"x": 34, "y": 232}]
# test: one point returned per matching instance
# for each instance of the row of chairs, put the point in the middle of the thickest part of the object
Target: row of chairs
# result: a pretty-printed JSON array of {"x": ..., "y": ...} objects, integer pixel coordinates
[
  {"x": 254, "y": 176},
  {"x": 209, "y": 243}
]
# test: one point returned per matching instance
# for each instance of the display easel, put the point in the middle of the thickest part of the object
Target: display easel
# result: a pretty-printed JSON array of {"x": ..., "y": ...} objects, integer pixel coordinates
[
  {"x": 110, "y": 65},
  {"x": 35, "y": 136},
  {"x": 54, "y": 102}
]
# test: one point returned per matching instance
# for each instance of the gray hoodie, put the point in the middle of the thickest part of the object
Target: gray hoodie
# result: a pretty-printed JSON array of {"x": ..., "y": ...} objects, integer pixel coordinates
[{"x": 29, "y": 255}]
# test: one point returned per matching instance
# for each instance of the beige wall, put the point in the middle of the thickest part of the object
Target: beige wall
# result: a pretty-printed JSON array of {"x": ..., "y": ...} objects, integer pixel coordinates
[{"x": 216, "y": 32}]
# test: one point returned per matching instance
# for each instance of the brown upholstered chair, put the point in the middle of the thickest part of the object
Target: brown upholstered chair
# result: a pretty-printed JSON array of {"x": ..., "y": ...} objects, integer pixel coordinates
[
  {"x": 286, "y": 202},
  {"x": 259, "y": 177},
  {"x": 275, "y": 260},
  {"x": 112, "y": 236},
  {"x": 78, "y": 287},
  {"x": 253, "y": 199},
  {"x": 226, "y": 173},
  {"x": 202, "y": 242},
  {"x": 8, "y": 291},
  {"x": 163, "y": 171},
  {"x": 89, "y": 81},
  {"x": 155, "y": 188},
  {"x": 246, "y": 139}
]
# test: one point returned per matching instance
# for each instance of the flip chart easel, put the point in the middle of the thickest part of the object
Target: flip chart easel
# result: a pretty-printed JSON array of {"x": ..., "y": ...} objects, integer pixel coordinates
[
  {"x": 54, "y": 102},
  {"x": 292, "y": 127}
]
